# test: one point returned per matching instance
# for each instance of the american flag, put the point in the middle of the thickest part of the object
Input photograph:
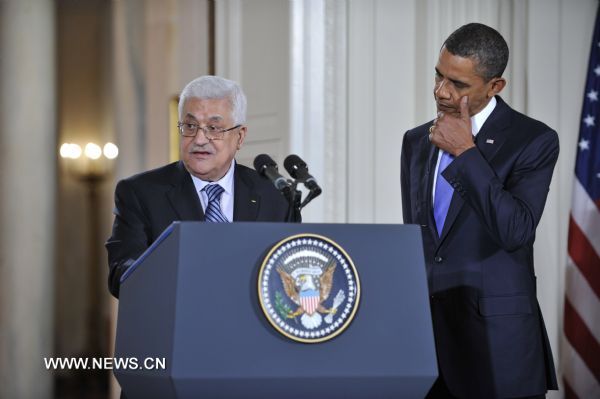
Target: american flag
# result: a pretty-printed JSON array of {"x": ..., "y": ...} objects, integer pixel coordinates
[{"x": 581, "y": 346}]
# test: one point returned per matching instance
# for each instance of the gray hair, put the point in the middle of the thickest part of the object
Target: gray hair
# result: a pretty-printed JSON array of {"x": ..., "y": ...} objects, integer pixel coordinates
[
  {"x": 215, "y": 87},
  {"x": 483, "y": 44}
]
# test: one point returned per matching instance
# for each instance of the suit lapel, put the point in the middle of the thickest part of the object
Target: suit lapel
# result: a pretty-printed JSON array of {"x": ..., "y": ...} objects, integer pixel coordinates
[
  {"x": 430, "y": 155},
  {"x": 456, "y": 205},
  {"x": 183, "y": 197},
  {"x": 246, "y": 201},
  {"x": 488, "y": 141},
  {"x": 492, "y": 135}
]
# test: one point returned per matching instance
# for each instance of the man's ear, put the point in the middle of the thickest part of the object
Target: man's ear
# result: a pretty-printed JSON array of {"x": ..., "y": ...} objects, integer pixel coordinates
[
  {"x": 243, "y": 130},
  {"x": 496, "y": 87}
]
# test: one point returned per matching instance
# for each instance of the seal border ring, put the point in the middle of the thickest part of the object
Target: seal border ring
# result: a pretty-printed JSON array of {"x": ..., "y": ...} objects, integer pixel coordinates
[{"x": 350, "y": 318}]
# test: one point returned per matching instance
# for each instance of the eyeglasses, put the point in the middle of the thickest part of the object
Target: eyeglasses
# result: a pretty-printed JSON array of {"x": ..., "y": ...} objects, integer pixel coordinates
[{"x": 210, "y": 132}]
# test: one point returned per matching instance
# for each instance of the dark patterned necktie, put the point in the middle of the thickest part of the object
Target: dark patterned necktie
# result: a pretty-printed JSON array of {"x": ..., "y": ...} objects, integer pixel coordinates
[
  {"x": 443, "y": 193},
  {"x": 213, "y": 212}
]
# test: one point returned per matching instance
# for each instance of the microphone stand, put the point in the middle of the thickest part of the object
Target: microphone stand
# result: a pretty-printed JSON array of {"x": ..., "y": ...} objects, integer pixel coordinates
[
  {"x": 309, "y": 197},
  {"x": 294, "y": 197},
  {"x": 295, "y": 209}
]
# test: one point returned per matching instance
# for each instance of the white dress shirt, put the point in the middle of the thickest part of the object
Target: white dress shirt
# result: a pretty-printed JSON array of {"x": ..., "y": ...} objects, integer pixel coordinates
[
  {"x": 226, "y": 198},
  {"x": 477, "y": 122}
]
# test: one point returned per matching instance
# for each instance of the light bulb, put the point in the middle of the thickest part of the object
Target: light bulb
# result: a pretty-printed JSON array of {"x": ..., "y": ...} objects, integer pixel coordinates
[
  {"x": 64, "y": 150},
  {"x": 74, "y": 151},
  {"x": 111, "y": 151},
  {"x": 92, "y": 151}
]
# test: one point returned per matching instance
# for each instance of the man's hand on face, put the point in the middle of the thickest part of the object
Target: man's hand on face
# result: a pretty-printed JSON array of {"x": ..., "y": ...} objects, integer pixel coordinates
[{"x": 452, "y": 133}]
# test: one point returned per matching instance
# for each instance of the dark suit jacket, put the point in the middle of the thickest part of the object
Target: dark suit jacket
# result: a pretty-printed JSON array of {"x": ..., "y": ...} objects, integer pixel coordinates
[
  {"x": 147, "y": 203},
  {"x": 490, "y": 336}
]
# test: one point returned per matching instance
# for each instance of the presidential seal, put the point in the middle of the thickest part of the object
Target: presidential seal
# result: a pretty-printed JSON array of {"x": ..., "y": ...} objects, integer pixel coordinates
[{"x": 308, "y": 288}]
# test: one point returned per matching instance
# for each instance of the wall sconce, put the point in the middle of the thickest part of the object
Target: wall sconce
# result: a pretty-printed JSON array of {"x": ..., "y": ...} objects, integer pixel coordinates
[{"x": 91, "y": 165}]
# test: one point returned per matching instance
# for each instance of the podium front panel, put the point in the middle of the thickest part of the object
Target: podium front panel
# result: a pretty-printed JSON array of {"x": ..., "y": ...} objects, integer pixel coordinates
[{"x": 206, "y": 319}]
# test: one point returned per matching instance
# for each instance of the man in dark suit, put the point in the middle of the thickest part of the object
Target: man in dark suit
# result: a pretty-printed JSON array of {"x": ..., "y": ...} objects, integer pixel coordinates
[
  {"x": 476, "y": 179},
  {"x": 206, "y": 185}
]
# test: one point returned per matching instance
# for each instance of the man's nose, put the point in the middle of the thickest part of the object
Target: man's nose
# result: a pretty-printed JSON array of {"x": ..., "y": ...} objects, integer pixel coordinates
[
  {"x": 441, "y": 90},
  {"x": 200, "y": 138}
]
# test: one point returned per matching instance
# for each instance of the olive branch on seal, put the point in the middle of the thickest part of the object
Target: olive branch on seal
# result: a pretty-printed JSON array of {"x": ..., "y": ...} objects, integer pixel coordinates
[{"x": 282, "y": 307}]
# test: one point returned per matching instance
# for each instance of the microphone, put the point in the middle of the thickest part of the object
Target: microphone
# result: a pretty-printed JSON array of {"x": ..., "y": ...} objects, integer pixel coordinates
[
  {"x": 297, "y": 168},
  {"x": 265, "y": 166}
]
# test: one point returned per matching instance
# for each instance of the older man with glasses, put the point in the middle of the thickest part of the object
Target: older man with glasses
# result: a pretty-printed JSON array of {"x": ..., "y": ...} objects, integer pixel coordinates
[{"x": 206, "y": 185}]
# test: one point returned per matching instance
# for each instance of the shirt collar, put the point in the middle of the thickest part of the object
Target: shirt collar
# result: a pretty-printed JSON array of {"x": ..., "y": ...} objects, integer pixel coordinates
[
  {"x": 479, "y": 119},
  {"x": 226, "y": 181}
]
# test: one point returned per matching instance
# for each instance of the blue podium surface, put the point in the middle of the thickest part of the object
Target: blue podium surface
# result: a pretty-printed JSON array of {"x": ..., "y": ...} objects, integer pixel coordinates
[{"x": 192, "y": 300}]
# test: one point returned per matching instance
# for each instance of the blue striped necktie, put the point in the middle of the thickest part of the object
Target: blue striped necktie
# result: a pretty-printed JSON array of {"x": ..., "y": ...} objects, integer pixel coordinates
[
  {"x": 213, "y": 213},
  {"x": 443, "y": 193}
]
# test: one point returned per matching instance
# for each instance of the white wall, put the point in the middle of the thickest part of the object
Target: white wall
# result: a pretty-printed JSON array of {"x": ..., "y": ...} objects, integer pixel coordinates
[{"x": 252, "y": 48}]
